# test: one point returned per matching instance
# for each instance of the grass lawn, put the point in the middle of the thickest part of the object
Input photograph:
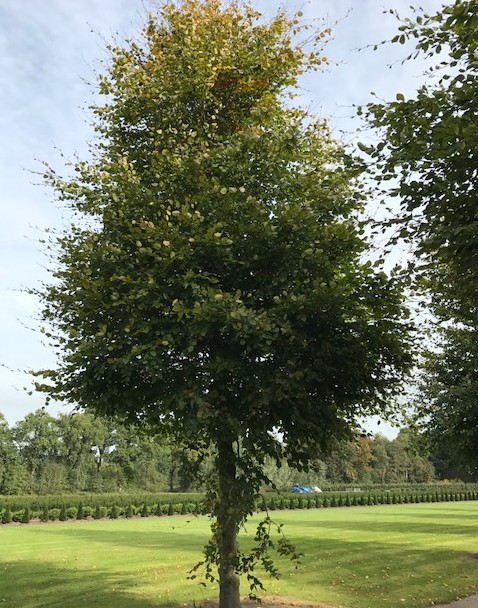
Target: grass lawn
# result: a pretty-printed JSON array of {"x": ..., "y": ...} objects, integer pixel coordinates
[{"x": 359, "y": 557}]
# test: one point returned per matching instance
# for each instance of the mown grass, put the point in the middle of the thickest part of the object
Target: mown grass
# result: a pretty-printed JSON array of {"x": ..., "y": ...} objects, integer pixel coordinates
[{"x": 373, "y": 557}]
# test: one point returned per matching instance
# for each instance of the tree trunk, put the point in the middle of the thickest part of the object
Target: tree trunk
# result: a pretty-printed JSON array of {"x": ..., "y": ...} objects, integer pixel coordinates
[
  {"x": 171, "y": 474},
  {"x": 228, "y": 518}
]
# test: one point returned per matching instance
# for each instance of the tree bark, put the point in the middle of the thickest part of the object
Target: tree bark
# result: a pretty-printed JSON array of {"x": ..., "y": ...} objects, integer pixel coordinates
[{"x": 228, "y": 518}]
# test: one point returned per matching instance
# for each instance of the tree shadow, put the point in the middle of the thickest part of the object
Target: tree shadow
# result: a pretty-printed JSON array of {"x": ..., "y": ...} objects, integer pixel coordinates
[
  {"x": 382, "y": 574},
  {"x": 31, "y": 584},
  {"x": 44, "y": 585},
  {"x": 335, "y": 570}
]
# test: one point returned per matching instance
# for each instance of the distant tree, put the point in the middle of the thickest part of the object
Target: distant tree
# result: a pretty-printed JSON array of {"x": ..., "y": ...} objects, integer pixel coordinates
[
  {"x": 36, "y": 437},
  {"x": 317, "y": 472},
  {"x": 349, "y": 461},
  {"x": 447, "y": 407},
  {"x": 78, "y": 437},
  {"x": 446, "y": 466},
  {"x": 363, "y": 458},
  {"x": 399, "y": 460},
  {"x": 216, "y": 288},
  {"x": 380, "y": 459},
  {"x": 104, "y": 440},
  {"x": 52, "y": 479},
  {"x": 340, "y": 463},
  {"x": 141, "y": 457},
  {"x": 13, "y": 474}
]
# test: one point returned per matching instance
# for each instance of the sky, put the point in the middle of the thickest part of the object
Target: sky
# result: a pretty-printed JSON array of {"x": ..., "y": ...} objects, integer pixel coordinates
[{"x": 50, "y": 51}]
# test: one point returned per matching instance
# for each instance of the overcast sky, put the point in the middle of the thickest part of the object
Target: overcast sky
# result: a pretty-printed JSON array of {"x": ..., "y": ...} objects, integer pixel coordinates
[{"x": 49, "y": 52}]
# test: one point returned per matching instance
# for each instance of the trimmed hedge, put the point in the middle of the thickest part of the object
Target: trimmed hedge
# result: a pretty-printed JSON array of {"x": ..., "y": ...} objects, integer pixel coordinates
[{"x": 14, "y": 509}]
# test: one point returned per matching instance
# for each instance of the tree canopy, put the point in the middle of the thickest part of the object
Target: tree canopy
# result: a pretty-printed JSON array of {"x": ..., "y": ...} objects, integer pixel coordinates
[
  {"x": 428, "y": 151},
  {"x": 428, "y": 144},
  {"x": 214, "y": 287}
]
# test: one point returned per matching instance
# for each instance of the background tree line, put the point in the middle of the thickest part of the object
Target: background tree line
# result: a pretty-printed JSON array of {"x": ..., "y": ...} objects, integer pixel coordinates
[{"x": 79, "y": 452}]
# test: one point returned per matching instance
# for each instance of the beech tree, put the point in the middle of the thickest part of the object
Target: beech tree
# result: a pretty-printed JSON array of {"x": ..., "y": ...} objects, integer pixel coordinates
[
  {"x": 427, "y": 143},
  {"x": 214, "y": 286}
]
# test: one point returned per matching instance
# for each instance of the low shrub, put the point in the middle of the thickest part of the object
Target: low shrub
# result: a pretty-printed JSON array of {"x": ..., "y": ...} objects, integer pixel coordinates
[
  {"x": 45, "y": 515},
  {"x": 71, "y": 512},
  {"x": 25, "y": 516},
  {"x": 6, "y": 515},
  {"x": 55, "y": 514},
  {"x": 80, "y": 513}
]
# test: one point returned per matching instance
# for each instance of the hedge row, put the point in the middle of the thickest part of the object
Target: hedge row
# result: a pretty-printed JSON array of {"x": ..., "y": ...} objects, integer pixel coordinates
[
  {"x": 121, "y": 500},
  {"x": 348, "y": 499},
  {"x": 442, "y": 486},
  {"x": 82, "y": 511},
  {"x": 138, "y": 499},
  {"x": 265, "y": 502}
]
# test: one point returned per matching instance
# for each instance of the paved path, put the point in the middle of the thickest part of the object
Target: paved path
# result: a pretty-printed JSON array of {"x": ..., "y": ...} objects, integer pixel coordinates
[{"x": 468, "y": 602}]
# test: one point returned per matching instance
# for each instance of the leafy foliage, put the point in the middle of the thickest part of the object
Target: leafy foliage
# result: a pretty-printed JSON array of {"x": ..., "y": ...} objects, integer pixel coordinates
[
  {"x": 215, "y": 289},
  {"x": 448, "y": 408},
  {"x": 428, "y": 144}
]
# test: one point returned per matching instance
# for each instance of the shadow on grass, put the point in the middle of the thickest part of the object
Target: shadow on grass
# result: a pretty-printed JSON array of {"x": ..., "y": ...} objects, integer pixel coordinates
[
  {"x": 30, "y": 584},
  {"x": 342, "y": 572},
  {"x": 371, "y": 573},
  {"x": 359, "y": 572}
]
